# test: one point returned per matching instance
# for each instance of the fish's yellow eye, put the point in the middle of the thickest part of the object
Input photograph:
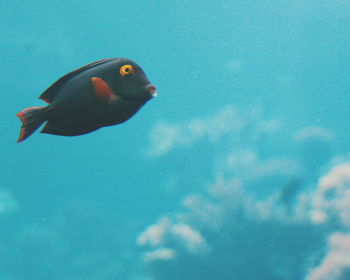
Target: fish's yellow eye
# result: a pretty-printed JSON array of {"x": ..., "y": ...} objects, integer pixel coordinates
[{"x": 126, "y": 70}]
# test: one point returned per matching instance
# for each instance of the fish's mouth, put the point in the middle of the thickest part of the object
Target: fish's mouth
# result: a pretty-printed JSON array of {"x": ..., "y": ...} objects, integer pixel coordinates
[{"x": 152, "y": 90}]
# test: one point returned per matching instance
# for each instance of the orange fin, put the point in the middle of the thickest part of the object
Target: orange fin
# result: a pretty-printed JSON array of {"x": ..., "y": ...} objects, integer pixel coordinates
[{"x": 103, "y": 90}]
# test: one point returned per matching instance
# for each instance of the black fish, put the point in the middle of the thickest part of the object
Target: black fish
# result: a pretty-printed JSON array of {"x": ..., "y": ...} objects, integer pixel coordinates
[{"x": 102, "y": 93}]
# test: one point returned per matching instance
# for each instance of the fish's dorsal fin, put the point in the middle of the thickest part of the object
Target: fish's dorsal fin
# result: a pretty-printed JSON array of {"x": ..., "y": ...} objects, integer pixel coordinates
[{"x": 51, "y": 93}]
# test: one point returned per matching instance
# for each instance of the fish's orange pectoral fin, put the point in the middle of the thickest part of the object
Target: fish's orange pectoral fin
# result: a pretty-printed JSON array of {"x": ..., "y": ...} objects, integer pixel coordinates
[{"x": 102, "y": 90}]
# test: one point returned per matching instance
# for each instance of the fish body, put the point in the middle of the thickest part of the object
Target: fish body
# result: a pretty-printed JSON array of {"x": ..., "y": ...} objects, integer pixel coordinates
[{"x": 102, "y": 93}]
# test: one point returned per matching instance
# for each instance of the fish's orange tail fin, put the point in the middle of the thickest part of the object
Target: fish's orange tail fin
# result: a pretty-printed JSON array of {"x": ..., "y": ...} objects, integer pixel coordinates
[{"x": 32, "y": 118}]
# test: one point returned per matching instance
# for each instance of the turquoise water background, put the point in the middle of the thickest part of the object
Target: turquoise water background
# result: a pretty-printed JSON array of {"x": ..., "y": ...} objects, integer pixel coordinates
[{"x": 239, "y": 169}]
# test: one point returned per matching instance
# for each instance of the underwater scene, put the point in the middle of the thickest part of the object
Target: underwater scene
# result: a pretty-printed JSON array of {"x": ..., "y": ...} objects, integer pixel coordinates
[{"x": 181, "y": 140}]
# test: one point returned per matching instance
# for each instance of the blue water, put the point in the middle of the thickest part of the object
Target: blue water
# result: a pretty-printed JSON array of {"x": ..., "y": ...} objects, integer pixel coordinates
[{"x": 239, "y": 169}]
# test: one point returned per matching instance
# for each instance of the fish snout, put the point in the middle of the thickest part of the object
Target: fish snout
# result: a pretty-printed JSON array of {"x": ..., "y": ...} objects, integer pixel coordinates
[{"x": 152, "y": 90}]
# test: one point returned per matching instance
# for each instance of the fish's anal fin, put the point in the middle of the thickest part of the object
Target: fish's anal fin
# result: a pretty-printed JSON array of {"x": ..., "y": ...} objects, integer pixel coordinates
[{"x": 102, "y": 90}]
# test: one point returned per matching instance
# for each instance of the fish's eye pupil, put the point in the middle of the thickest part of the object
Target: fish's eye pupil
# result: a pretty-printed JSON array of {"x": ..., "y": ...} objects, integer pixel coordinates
[{"x": 127, "y": 69}]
